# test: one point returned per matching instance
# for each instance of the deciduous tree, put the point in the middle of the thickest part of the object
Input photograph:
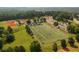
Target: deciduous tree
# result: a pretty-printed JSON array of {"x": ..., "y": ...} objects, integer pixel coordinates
[{"x": 35, "y": 47}]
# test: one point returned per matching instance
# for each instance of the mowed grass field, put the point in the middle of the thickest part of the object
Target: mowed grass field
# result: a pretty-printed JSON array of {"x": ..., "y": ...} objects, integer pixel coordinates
[
  {"x": 21, "y": 38},
  {"x": 44, "y": 33},
  {"x": 48, "y": 35}
]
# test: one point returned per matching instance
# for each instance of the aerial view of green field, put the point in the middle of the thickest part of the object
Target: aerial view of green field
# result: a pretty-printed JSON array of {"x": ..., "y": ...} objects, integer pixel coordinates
[{"x": 23, "y": 30}]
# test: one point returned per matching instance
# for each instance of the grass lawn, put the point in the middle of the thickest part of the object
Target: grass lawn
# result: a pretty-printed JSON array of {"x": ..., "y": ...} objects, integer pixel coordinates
[
  {"x": 21, "y": 38},
  {"x": 44, "y": 33},
  {"x": 47, "y": 35}
]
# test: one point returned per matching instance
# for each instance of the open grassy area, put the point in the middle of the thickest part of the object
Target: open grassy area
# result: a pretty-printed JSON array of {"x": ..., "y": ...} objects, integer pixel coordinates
[
  {"x": 47, "y": 35},
  {"x": 21, "y": 38},
  {"x": 44, "y": 33}
]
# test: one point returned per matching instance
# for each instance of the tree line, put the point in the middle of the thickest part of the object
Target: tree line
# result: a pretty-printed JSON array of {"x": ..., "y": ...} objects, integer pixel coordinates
[
  {"x": 57, "y": 15},
  {"x": 71, "y": 41}
]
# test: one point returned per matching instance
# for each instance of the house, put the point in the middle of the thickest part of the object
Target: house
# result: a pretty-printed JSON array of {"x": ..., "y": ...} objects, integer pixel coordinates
[
  {"x": 49, "y": 19},
  {"x": 12, "y": 23},
  {"x": 75, "y": 21},
  {"x": 22, "y": 21},
  {"x": 62, "y": 26}
]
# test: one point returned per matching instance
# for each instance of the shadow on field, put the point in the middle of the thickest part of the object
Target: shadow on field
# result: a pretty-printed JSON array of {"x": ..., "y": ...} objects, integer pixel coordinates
[
  {"x": 66, "y": 49},
  {"x": 74, "y": 46}
]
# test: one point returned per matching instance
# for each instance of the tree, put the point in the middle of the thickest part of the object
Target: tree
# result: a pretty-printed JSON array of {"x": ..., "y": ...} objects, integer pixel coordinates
[
  {"x": 10, "y": 38},
  {"x": 55, "y": 49},
  {"x": 77, "y": 29},
  {"x": 35, "y": 21},
  {"x": 9, "y": 29},
  {"x": 16, "y": 49},
  {"x": 71, "y": 41},
  {"x": 77, "y": 38},
  {"x": 63, "y": 16},
  {"x": 73, "y": 28},
  {"x": 3, "y": 50},
  {"x": 55, "y": 23},
  {"x": 10, "y": 49},
  {"x": 35, "y": 47},
  {"x": 44, "y": 19},
  {"x": 19, "y": 49},
  {"x": 19, "y": 22},
  {"x": 22, "y": 49},
  {"x": 28, "y": 30},
  {"x": 58, "y": 15},
  {"x": 1, "y": 43},
  {"x": 1, "y": 31},
  {"x": 63, "y": 43},
  {"x": 28, "y": 22}
]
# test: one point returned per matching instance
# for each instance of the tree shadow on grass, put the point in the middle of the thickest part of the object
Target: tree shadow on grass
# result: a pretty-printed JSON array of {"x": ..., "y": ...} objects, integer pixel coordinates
[
  {"x": 74, "y": 46},
  {"x": 66, "y": 49}
]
